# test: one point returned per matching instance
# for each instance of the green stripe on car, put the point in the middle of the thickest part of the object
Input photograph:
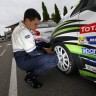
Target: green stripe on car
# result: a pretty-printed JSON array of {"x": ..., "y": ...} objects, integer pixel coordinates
[
  {"x": 64, "y": 23},
  {"x": 65, "y": 30},
  {"x": 60, "y": 25},
  {"x": 78, "y": 50},
  {"x": 87, "y": 73}
]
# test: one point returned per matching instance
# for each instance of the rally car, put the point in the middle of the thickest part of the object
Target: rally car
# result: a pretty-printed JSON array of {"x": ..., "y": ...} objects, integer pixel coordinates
[{"x": 74, "y": 40}]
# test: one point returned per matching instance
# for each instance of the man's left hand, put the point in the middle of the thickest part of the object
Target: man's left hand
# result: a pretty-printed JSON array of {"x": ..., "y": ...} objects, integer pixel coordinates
[{"x": 49, "y": 50}]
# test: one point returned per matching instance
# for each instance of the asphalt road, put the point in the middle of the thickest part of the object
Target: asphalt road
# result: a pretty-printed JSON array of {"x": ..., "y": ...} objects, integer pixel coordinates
[{"x": 55, "y": 83}]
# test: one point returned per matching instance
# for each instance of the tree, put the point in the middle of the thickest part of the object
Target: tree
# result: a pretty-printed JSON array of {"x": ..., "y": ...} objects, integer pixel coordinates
[
  {"x": 57, "y": 16},
  {"x": 53, "y": 16},
  {"x": 45, "y": 12},
  {"x": 65, "y": 11}
]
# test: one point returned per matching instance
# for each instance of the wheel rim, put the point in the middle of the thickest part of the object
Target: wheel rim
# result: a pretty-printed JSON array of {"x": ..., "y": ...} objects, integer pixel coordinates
[{"x": 63, "y": 58}]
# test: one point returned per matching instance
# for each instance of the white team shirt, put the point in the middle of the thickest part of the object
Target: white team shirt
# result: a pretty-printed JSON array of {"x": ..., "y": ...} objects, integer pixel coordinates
[{"x": 22, "y": 39}]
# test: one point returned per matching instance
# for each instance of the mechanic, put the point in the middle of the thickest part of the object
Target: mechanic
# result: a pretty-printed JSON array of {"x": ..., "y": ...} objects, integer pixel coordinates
[{"x": 27, "y": 55}]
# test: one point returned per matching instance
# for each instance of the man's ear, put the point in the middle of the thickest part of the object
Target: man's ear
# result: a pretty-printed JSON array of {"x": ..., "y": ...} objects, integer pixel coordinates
[{"x": 27, "y": 20}]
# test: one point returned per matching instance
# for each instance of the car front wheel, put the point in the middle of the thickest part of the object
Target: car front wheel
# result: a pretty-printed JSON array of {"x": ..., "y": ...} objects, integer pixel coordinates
[{"x": 65, "y": 60}]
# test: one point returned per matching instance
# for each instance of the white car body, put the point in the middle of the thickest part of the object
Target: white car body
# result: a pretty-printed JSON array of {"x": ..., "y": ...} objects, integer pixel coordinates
[{"x": 74, "y": 40}]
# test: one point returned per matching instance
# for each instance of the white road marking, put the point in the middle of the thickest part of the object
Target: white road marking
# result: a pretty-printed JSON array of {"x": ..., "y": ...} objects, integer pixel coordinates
[
  {"x": 0, "y": 46},
  {"x": 3, "y": 52},
  {"x": 5, "y": 49},
  {"x": 9, "y": 44},
  {"x": 13, "y": 80},
  {"x": 6, "y": 46}
]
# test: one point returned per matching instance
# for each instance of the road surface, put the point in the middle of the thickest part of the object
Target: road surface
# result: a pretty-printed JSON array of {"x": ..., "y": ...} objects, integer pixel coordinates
[{"x": 55, "y": 83}]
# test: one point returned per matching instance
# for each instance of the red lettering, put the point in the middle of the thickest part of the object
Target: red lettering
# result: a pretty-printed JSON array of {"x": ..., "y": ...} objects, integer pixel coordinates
[{"x": 88, "y": 28}]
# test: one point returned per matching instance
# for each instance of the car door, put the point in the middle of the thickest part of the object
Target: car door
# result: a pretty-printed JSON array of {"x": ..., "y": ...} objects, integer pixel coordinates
[
  {"x": 88, "y": 30},
  {"x": 87, "y": 39}
]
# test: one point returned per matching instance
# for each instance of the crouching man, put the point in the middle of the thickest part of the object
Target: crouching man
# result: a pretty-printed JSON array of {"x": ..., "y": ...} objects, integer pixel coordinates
[{"x": 29, "y": 57}]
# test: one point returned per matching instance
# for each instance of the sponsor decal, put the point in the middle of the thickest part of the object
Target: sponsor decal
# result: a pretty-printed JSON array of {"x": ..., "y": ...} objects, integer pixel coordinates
[
  {"x": 91, "y": 39},
  {"x": 88, "y": 28},
  {"x": 87, "y": 40},
  {"x": 82, "y": 40},
  {"x": 89, "y": 51},
  {"x": 27, "y": 36},
  {"x": 89, "y": 60},
  {"x": 90, "y": 68}
]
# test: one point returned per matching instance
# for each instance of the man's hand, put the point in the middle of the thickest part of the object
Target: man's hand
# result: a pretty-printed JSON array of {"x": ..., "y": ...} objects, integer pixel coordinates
[{"x": 48, "y": 50}]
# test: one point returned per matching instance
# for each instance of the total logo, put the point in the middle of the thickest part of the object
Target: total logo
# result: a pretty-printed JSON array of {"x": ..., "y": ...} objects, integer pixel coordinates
[
  {"x": 88, "y": 28},
  {"x": 90, "y": 68},
  {"x": 89, "y": 51}
]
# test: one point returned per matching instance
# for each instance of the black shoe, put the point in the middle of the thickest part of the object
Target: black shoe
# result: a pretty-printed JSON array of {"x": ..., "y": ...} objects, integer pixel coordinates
[{"x": 33, "y": 81}]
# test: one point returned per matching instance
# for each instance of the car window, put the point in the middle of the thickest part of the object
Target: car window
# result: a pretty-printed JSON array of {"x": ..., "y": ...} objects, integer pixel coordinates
[
  {"x": 91, "y": 3},
  {"x": 79, "y": 6},
  {"x": 43, "y": 25},
  {"x": 47, "y": 24},
  {"x": 94, "y": 2},
  {"x": 84, "y": 4},
  {"x": 52, "y": 24}
]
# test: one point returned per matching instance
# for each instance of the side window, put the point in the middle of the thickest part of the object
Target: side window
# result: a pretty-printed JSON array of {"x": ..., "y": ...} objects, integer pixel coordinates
[
  {"x": 94, "y": 2},
  {"x": 52, "y": 24},
  {"x": 43, "y": 25},
  {"x": 89, "y": 4},
  {"x": 78, "y": 8},
  {"x": 83, "y": 5}
]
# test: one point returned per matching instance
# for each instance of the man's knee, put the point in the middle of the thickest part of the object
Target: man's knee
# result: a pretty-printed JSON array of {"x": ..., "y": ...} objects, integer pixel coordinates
[
  {"x": 54, "y": 59},
  {"x": 51, "y": 62}
]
